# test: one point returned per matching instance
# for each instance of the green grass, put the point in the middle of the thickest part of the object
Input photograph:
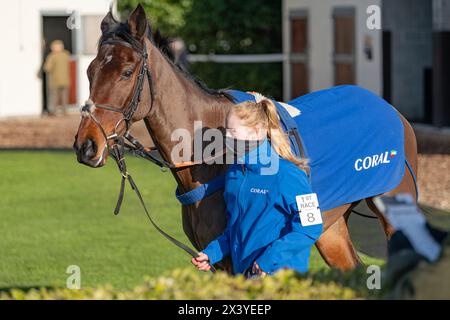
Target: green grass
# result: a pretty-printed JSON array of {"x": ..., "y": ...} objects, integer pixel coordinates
[{"x": 55, "y": 213}]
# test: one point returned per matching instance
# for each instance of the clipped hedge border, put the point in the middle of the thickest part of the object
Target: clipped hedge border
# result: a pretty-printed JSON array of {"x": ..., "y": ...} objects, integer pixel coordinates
[{"x": 192, "y": 284}]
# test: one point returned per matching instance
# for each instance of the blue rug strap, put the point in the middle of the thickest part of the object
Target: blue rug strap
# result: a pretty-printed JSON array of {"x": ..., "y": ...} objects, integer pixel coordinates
[
  {"x": 288, "y": 124},
  {"x": 414, "y": 178},
  {"x": 201, "y": 192}
]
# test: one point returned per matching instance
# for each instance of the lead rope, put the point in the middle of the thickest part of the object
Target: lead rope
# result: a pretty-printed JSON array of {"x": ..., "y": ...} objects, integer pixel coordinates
[{"x": 117, "y": 152}]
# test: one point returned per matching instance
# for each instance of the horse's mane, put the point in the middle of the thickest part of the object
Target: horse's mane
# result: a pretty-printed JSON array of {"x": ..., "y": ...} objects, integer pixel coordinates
[{"x": 163, "y": 44}]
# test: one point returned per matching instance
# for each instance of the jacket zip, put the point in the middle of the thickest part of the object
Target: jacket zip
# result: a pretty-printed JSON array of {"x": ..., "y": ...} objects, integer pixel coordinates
[{"x": 240, "y": 207}]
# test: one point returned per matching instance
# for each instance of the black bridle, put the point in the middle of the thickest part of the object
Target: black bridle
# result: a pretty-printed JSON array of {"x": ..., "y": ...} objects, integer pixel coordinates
[
  {"x": 119, "y": 145},
  {"x": 129, "y": 111}
]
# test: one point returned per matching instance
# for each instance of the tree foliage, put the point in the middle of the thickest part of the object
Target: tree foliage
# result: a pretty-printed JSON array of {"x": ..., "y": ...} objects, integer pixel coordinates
[
  {"x": 223, "y": 27},
  {"x": 167, "y": 15},
  {"x": 233, "y": 26}
]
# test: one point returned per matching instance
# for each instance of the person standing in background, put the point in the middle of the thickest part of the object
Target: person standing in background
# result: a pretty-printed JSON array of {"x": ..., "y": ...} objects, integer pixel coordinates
[
  {"x": 56, "y": 67},
  {"x": 178, "y": 47}
]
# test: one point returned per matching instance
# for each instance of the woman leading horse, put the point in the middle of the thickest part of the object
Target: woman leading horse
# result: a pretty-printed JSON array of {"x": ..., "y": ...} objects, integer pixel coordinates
[
  {"x": 171, "y": 99},
  {"x": 267, "y": 229}
]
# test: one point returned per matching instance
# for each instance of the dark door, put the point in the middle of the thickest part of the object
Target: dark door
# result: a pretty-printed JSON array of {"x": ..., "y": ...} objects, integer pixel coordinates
[
  {"x": 55, "y": 28},
  {"x": 387, "y": 66}
]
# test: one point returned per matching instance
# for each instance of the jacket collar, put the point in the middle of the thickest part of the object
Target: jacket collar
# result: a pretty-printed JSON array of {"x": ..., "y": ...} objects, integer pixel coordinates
[{"x": 261, "y": 156}]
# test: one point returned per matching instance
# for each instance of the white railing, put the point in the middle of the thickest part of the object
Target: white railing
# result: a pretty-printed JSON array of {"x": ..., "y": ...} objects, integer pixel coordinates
[{"x": 238, "y": 58}]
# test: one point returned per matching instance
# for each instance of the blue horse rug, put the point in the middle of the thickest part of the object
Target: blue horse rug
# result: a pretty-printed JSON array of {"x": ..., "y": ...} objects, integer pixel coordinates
[{"x": 354, "y": 141}]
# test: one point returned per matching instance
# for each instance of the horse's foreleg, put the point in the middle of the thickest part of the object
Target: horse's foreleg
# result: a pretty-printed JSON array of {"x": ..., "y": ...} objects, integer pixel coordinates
[
  {"x": 186, "y": 218},
  {"x": 335, "y": 245},
  {"x": 204, "y": 223}
]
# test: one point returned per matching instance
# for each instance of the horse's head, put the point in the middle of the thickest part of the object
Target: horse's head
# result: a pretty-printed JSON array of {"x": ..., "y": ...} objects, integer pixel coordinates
[{"x": 120, "y": 87}]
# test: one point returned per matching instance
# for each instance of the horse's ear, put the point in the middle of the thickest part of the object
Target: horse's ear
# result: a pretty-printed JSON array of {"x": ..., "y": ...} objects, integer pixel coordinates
[
  {"x": 138, "y": 22},
  {"x": 107, "y": 22}
]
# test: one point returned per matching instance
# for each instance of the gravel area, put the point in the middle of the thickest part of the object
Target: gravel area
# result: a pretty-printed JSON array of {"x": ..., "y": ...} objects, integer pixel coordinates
[
  {"x": 434, "y": 180},
  {"x": 59, "y": 131},
  {"x": 48, "y": 132}
]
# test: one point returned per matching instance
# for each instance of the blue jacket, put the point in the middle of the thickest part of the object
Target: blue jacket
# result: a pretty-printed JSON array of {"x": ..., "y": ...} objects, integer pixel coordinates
[{"x": 263, "y": 223}]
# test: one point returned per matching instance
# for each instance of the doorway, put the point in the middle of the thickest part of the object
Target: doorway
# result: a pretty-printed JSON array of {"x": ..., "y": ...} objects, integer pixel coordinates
[{"x": 54, "y": 27}]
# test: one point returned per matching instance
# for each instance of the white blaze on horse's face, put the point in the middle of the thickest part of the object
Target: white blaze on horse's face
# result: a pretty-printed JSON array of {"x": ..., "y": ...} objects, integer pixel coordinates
[{"x": 106, "y": 60}]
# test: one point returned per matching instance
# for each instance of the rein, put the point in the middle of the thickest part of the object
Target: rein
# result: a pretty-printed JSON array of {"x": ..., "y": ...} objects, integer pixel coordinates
[{"x": 119, "y": 145}]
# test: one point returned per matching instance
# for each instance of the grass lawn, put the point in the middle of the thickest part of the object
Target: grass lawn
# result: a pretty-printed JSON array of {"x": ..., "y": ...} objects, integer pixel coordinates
[{"x": 55, "y": 213}]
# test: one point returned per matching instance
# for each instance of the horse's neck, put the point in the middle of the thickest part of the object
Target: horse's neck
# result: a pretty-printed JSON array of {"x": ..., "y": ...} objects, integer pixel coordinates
[{"x": 178, "y": 103}]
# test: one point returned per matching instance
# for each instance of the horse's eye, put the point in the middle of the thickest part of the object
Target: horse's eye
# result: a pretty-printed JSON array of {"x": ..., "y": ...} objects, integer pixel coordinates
[{"x": 127, "y": 73}]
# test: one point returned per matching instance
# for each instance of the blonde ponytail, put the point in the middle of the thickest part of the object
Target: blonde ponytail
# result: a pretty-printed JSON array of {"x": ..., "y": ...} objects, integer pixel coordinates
[{"x": 265, "y": 113}]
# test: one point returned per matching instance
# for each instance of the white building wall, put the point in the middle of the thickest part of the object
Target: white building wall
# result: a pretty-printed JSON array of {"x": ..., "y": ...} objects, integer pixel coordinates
[
  {"x": 321, "y": 42},
  {"x": 21, "y": 54}
]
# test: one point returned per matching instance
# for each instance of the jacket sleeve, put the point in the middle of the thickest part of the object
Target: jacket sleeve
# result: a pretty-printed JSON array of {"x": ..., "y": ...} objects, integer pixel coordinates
[
  {"x": 220, "y": 247},
  {"x": 280, "y": 252}
]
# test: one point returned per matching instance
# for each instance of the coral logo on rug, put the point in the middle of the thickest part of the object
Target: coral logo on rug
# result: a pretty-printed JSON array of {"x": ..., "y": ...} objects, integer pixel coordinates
[{"x": 375, "y": 160}]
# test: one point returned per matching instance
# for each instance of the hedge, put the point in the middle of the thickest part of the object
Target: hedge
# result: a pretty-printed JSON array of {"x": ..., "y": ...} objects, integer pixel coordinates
[
  {"x": 265, "y": 78},
  {"x": 192, "y": 284}
]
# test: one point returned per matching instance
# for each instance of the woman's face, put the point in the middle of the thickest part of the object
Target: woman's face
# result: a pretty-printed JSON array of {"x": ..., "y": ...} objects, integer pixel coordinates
[{"x": 238, "y": 130}]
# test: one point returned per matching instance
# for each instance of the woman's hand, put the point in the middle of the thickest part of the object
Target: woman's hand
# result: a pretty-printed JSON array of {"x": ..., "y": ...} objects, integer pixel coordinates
[
  {"x": 257, "y": 270},
  {"x": 201, "y": 262}
]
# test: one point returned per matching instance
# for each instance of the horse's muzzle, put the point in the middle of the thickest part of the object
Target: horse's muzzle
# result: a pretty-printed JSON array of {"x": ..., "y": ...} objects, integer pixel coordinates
[{"x": 87, "y": 153}]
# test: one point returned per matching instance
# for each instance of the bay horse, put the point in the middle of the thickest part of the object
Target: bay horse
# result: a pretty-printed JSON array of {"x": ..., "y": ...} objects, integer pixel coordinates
[{"x": 171, "y": 99}]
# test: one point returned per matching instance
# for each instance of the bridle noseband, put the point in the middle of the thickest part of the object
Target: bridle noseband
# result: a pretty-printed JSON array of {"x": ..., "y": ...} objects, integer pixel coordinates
[{"x": 117, "y": 149}]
